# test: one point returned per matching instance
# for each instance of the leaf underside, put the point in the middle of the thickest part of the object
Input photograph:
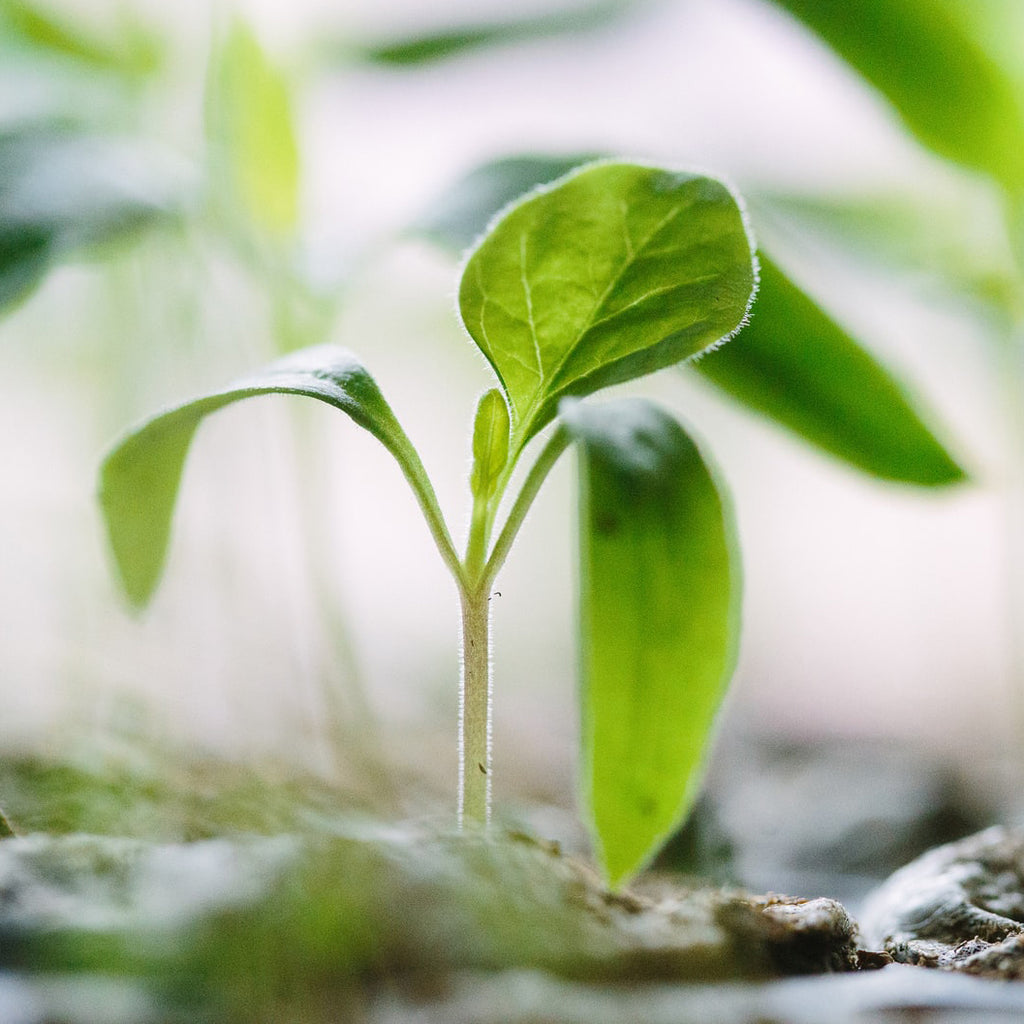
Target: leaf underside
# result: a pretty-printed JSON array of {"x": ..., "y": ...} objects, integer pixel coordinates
[
  {"x": 140, "y": 477},
  {"x": 611, "y": 273},
  {"x": 792, "y": 362},
  {"x": 659, "y": 621}
]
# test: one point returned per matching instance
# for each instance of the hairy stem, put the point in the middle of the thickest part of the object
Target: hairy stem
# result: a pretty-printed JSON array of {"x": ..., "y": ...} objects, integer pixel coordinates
[{"x": 475, "y": 710}]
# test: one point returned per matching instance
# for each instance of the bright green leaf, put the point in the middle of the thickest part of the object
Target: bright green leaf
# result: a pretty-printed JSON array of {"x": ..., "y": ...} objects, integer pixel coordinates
[
  {"x": 251, "y": 129},
  {"x": 490, "y": 443},
  {"x": 140, "y": 477},
  {"x": 659, "y": 609},
  {"x": 948, "y": 91},
  {"x": 612, "y": 272},
  {"x": 129, "y": 47},
  {"x": 793, "y": 363},
  {"x": 460, "y": 216}
]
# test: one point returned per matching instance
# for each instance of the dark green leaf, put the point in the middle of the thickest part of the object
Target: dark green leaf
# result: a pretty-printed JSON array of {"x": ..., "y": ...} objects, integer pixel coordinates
[
  {"x": 62, "y": 192},
  {"x": 445, "y": 43},
  {"x": 251, "y": 128},
  {"x": 460, "y": 216},
  {"x": 612, "y": 272},
  {"x": 140, "y": 477},
  {"x": 950, "y": 94},
  {"x": 659, "y": 608},
  {"x": 796, "y": 365},
  {"x": 24, "y": 259}
]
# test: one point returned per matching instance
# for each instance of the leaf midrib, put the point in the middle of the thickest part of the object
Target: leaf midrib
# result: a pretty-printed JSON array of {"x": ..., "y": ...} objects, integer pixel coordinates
[{"x": 632, "y": 256}]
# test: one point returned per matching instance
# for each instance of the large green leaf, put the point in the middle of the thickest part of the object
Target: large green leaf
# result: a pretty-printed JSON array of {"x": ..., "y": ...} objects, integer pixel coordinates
[
  {"x": 612, "y": 272},
  {"x": 948, "y": 91},
  {"x": 659, "y": 611},
  {"x": 792, "y": 362},
  {"x": 251, "y": 128},
  {"x": 140, "y": 477},
  {"x": 62, "y": 191}
]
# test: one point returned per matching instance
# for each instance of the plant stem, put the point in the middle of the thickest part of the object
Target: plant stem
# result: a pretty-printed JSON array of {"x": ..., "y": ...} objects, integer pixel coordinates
[
  {"x": 475, "y": 710},
  {"x": 475, "y": 577}
]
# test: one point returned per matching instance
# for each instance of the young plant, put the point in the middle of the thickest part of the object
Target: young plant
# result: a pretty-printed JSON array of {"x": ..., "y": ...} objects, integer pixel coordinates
[{"x": 609, "y": 273}]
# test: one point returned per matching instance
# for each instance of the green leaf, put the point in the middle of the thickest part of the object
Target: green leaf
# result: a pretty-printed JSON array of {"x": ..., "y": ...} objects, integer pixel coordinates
[
  {"x": 659, "y": 610},
  {"x": 958, "y": 243},
  {"x": 130, "y": 48},
  {"x": 140, "y": 477},
  {"x": 948, "y": 91},
  {"x": 490, "y": 443},
  {"x": 25, "y": 255},
  {"x": 459, "y": 216},
  {"x": 794, "y": 364},
  {"x": 449, "y": 42},
  {"x": 62, "y": 192},
  {"x": 251, "y": 130},
  {"x": 613, "y": 272}
]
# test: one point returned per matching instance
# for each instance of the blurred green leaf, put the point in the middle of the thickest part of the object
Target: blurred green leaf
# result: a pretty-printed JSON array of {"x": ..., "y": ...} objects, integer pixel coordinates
[
  {"x": 613, "y": 272},
  {"x": 958, "y": 242},
  {"x": 129, "y": 48},
  {"x": 62, "y": 192},
  {"x": 793, "y": 363},
  {"x": 251, "y": 130},
  {"x": 948, "y": 91},
  {"x": 448, "y": 42},
  {"x": 659, "y": 610},
  {"x": 460, "y": 216},
  {"x": 140, "y": 477}
]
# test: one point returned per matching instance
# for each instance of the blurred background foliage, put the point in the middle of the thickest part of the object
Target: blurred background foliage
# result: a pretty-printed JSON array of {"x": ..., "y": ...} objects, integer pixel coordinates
[{"x": 184, "y": 193}]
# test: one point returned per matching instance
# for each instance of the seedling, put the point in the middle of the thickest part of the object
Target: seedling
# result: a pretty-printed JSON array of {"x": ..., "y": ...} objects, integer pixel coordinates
[{"x": 609, "y": 273}]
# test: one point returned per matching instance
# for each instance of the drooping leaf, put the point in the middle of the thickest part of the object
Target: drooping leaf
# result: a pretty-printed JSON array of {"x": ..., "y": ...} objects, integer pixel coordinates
[
  {"x": 614, "y": 271},
  {"x": 449, "y": 42},
  {"x": 459, "y": 216},
  {"x": 946, "y": 88},
  {"x": 795, "y": 364},
  {"x": 254, "y": 150},
  {"x": 61, "y": 192},
  {"x": 659, "y": 610},
  {"x": 139, "y": 479}
]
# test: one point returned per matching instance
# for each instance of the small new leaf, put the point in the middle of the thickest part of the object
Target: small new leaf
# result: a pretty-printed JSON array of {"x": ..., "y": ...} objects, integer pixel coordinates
[
  {"x": 139, "y": 479},
  {"x": 490, "y": 443},
  {"x": 659, "y": 622},
  {"x": 612, "y": 272}
]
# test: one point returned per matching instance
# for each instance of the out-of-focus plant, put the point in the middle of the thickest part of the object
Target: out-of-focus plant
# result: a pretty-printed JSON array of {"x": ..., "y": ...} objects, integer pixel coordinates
[{"x": 613, "y": 272}]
